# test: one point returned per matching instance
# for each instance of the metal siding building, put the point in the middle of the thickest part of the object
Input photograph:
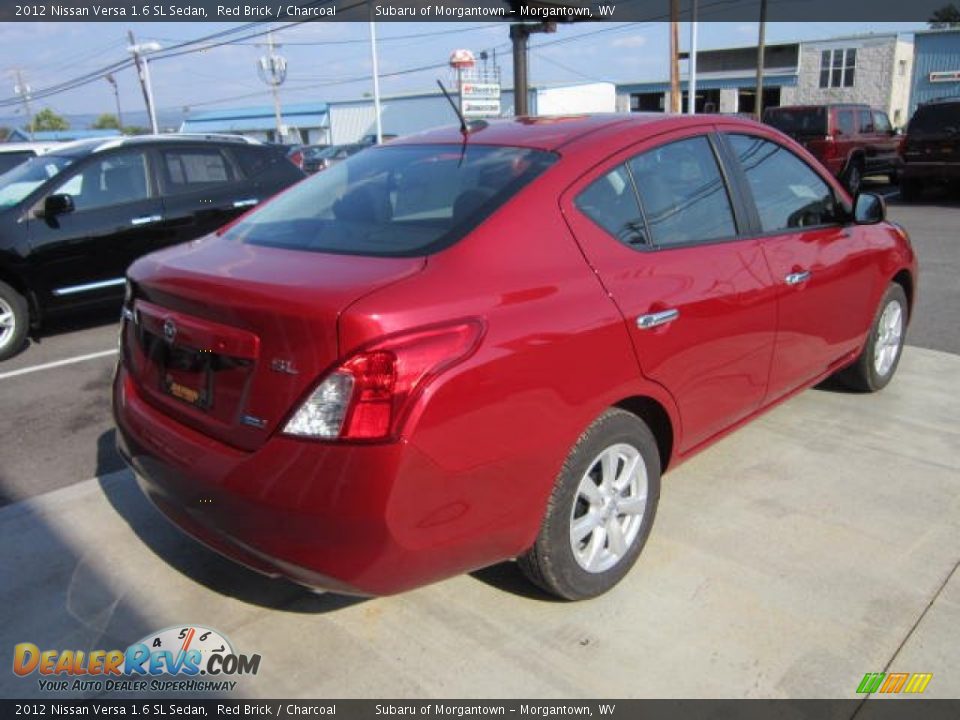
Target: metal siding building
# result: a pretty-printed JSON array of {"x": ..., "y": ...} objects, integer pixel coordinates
[
  {"x": 305, "y": 121},
  {"x": 935, "y": 51}
]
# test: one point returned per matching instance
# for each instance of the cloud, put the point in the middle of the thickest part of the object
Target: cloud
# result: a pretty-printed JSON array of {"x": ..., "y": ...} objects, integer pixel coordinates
[{"x": 631, "y": 41}]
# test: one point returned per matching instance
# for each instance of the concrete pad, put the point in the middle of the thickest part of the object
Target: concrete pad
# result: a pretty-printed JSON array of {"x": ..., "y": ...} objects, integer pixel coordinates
[{"x": 788, "y": 560}]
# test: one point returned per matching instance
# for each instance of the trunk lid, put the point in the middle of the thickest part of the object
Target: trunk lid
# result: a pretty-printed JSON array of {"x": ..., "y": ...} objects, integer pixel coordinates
[{"x": 228, "y": 337}]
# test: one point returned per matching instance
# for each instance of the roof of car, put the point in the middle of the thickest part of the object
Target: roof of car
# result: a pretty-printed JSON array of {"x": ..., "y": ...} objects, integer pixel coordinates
[
  {"x": 85, "y": 147},
  {"x": 38, "y": 147},
  {"x": 548, "y": 132}
]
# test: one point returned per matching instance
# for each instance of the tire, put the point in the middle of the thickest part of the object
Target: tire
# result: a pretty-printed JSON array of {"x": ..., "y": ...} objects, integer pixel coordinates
[
  {"x": 853, "y": 177},
  {"x": 14, "y": 321},
  {"x": 910, "y": 190},
  {"x": 553, "y": 563},
  {"x": 880, "y": 357}
]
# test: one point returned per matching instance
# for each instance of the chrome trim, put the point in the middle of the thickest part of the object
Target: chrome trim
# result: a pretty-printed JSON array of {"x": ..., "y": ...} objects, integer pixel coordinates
[
  {"x": 795, "y": 278},
  {"x": 249, "y": 202},
  {"x": 645, "y": 322},
  {"x": 146, "y": 219},
  {"x": 73, "y": 289}
]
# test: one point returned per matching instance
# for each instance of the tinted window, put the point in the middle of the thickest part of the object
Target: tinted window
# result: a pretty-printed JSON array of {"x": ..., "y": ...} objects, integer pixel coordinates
[
  {"x": 798, "y": 121},
  {"x": 787, "y": 192},
  {"x": 394, "y": 199},
  {"x": 683, "y": 195},
  {"x": 611, "y": 203},
  {"x": 845, "y": 123},
  {"x": 866, "y": 121},
  {"x": 26, "y": 177},
  {"x": 195, "y": 169},
  {"x": 112, "y": 180},
  {"x": 936, "y": 118},
  {"x": 10, "y": 160},
  {"x": 881, "y": 122}
]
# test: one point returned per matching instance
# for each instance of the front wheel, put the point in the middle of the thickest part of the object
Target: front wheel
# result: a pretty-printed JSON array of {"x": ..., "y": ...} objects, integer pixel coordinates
[
  {"x": 881, "y": 354},
  {"x": 14, "y": 319},
  {"x": 600, "y": 512}
]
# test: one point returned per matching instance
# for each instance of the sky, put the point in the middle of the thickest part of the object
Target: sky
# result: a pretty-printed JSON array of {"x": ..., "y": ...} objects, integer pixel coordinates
[{"x": 335, "y": 63}]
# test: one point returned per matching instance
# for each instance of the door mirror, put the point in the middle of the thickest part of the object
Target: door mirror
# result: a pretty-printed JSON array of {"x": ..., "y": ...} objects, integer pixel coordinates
[
  {"x": 59, "y": 204},
  {"x": 869, "y": 209}
]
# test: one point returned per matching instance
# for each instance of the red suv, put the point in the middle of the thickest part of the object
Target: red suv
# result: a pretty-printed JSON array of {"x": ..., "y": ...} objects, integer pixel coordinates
[
  {"x": 852, "y": 141},
  {"x": 461, "y": 348}
]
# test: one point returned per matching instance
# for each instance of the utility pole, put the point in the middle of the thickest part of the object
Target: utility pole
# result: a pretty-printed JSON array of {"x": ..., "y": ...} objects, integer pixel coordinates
[
  {"x": 692, "y": 83},
  {"x": 376, "y": 79},
  {"x": 519, "y": 34},
  {"x": 761, "y": 48},
  {"x": 23, "y": 90},
  {"x": 273, "y": 71},
  {"x": 116, "y": 96},
  {"x": 143, "y": 72},
  {"x": 675, "y": 98}
]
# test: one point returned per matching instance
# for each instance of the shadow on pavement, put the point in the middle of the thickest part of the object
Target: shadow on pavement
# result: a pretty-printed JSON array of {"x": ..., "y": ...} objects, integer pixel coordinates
[
  {"x": 199, "y": 563},
  {"x": 506, "y": 576}
]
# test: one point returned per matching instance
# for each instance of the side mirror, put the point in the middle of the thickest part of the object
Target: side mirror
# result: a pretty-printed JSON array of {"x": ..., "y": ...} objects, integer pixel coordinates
[
  {"x": 58, "y": 205},
  {"x": 869, "y": 209}
]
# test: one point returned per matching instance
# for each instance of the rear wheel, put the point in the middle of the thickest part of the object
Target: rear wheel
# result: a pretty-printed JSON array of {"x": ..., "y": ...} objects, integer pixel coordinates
[
  {"x": 881, "y": 354},
  {"x": 600, "y": 512},
  {"x": 14, "y": 319}
]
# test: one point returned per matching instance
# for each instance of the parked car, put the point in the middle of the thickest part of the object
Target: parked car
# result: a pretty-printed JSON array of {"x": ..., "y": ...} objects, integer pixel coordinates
[
  {"x": 453, "y": 350},
  {"x": 298, "y": 153},
  {"x": 852, "y": 141},
  {"x": 931, "y": 147},
  {"x": 72, "y": 220},
  {"x": 12, "y": 154},
  {"x": 371, "y": 139},
  {"x": 330, "y": 156}
]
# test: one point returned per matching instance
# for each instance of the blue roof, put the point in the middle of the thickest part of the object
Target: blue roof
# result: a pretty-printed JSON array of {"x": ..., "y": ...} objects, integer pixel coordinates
[
  {"x": 256, "y": 118},
  {"x": 18, "y": 134}
]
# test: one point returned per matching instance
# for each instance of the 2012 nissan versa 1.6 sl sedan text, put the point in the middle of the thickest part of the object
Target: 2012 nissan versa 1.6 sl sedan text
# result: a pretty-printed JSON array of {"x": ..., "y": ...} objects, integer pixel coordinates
[{"x": 464, "y": 347}]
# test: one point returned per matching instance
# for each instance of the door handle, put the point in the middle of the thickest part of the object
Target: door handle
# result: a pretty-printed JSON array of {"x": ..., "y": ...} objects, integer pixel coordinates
[
  {"x": 249, "y": 202},
  {"x": 795, "y": 278},
  {"x": 146, "y": 219},
  {"x": 645, "y": 322}
]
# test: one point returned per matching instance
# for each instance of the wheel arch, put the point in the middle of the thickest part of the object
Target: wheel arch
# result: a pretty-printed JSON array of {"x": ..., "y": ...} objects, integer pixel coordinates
[
  {"x": 655, "y": 415},
  {"x": 904, "y": 279}
]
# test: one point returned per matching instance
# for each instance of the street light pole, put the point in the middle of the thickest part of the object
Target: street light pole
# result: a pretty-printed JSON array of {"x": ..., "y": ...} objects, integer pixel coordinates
[
  {"x": 143, "y": 72},
  {"x": 761, "y": 51},
  {"x": 376, "y": 81},
  {"x": 692, "y": 83},
  {"x": 23, "y": 90},
  {"x": 116, "y": 96}
]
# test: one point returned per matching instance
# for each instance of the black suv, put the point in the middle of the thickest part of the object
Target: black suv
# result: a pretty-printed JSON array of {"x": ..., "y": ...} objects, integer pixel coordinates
[
  {"x": 931, "y": 149},
  {"x": 72, "y": 220}
]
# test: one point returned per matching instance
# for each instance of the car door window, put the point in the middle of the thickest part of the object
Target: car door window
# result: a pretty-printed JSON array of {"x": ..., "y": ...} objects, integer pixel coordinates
[
  {"x": 195, "y": 169},
  {"x": 845, "y": 124},
  {"x": 881, "y": 122},
  {"x": 683, "y": 194},
  {"x": 611, "y": 203},
  {"x": 116, "y": 179},
  {"x": 787, "y": 192},
  {"x": 866, "y": 121}
]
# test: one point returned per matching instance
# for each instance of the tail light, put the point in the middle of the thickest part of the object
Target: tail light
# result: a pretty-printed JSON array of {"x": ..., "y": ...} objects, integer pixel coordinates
[
  {"x": 368, "y": 396},
  {"x": 296, "y": 157}
]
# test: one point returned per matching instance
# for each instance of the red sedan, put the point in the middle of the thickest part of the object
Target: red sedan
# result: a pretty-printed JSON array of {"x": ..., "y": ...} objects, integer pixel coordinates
[{"x": 461, "y": 348}]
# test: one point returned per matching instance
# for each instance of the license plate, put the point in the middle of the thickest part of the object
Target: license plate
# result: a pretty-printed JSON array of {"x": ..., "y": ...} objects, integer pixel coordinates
[{"x": 186, "y": 375}]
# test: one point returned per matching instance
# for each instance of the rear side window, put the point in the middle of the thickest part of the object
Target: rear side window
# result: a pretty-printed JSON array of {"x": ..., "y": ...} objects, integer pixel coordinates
[
  {"x": 612, "y": 204},
  {"x": 798, "y": 121},
  {"x": 787, "y": 192},
  {"x": 683, "y": 193},
  {"x": 845, "y": 122},
  {"x": 936, "y": 118},
  {"x": 881, "y": 122},
  {"x": 195, "y": 168},
  {"x": 395, "y": 200},
  {"x": 866, "y": 121}
]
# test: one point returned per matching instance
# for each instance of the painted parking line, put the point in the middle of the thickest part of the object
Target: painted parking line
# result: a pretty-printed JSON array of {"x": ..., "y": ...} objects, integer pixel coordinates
[{"x": 56, "y": 364}]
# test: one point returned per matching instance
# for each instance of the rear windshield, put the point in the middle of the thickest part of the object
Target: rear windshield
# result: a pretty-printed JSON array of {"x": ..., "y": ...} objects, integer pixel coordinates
[
  {"x": 937, "y": 118},
  {"x": 798, "y": 121},
  {"x": 396, "y": 200}
]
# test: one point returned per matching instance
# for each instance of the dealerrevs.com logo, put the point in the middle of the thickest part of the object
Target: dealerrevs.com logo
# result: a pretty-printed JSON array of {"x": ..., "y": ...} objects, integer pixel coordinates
[{"x": 181, "y": 658}]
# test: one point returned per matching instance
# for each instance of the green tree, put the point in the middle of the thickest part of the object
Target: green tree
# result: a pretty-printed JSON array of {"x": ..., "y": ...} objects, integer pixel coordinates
[
  {"x": 47, "y": 119},
  {"x": 946, "y": 17},
  {"x": 107, "y": 121},
  {"x": 135, "y": 130}
]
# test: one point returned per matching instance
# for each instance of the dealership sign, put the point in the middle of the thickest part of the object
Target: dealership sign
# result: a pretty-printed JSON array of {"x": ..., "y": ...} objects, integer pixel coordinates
[{"x": 480, "y": 99}]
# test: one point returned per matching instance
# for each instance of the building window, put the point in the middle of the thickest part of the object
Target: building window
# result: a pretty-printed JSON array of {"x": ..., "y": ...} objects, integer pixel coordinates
[
  {"x": 837, "y": 67},
  {"x": 902, "y": 68}
]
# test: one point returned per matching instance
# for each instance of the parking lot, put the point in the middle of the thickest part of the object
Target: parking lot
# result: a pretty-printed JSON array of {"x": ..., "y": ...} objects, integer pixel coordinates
[{"x": 815, "y": 545}]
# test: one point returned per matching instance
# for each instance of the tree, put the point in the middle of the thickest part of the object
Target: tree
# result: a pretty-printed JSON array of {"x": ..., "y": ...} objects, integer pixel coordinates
[
  {"x": 107, "y": 121},
  {"x": 135, "y": 130},
  {"x": 946, "y": 17},
  {"x": 47, "y": 119}
]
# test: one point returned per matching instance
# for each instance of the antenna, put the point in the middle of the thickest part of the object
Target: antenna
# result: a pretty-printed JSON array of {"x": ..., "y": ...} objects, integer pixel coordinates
[{"x": 463, "y": 122}]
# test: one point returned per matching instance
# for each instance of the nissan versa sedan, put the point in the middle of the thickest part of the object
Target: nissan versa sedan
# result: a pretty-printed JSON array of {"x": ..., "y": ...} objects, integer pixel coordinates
[{"x": 470, "y": 346}]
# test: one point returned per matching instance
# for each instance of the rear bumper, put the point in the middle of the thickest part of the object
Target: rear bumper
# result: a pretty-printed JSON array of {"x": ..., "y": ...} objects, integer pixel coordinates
[
  {"x": 931, "y": 172},
  {"x": 329, "y": 515}
]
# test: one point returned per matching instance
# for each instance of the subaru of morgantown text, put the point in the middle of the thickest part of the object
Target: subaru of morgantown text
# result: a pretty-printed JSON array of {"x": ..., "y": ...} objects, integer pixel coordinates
[{"x": 473, "y": 345}]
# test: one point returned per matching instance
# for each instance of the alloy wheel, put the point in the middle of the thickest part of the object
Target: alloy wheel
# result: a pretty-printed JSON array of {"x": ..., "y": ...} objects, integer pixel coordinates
[
  {"x": 7, "y": 322},
  {"x": 889, "y": 337}
]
